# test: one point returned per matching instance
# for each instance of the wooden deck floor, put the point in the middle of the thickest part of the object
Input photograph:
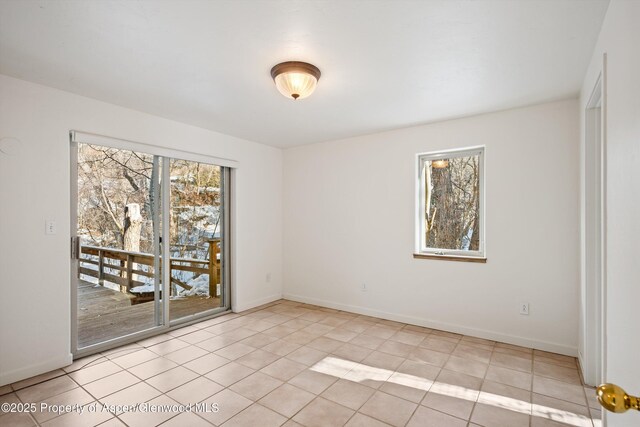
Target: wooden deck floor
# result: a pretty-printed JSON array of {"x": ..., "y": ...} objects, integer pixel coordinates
[{"x": 105, "y": 314}]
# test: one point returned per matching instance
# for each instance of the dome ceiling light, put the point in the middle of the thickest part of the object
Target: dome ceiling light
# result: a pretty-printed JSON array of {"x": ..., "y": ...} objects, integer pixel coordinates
[{"x": 295, "y": 79}]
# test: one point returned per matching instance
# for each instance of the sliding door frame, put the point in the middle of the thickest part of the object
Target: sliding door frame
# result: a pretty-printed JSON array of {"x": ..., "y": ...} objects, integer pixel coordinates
[{"x": 162, "y": 315}]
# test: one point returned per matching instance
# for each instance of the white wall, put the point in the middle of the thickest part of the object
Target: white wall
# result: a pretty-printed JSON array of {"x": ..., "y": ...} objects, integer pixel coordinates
[
  {"x": 619, "y": 39},
  {"x": 349, "y": 219},
  {"x": 34, "y": 186}
]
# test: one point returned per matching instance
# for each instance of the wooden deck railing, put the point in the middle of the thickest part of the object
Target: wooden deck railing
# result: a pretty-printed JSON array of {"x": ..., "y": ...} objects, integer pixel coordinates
[{"x": 123, "y": 263}]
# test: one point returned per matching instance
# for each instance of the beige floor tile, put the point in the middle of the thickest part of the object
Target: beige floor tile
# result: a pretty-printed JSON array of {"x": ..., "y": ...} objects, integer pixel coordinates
[
  {"x": 151, "y": 368},
  {"x": 383, "y": 360},
  {"x": 279, "y": 331},
  {"x": 396, "y": 348},
  {"x": 592, "y": 397},
  {"x": 287, "y": 400},
  {"x": 297, "y": 324},
  {"x": 283, "y": 369},
  {"x": 514, "y": 351},
  {"x": 235, "y": 351},
  {"x": 259, "y": 340},
  {"x": 448, "y": 335},
  {"x": 85, "y": 362},
  {"x": 85, "y": 419},
  {"x": 348, "y": 393},
  {"x": 323, "y": 413},
  {"x": 258, "y": 359},
  {"x": 281, "y": 348},
  {"x": 116, "y": 382},
  {"x": 76, "y": 396},
  {"x": 215, "y": 343},
  {"x": 306, "y": 355},
  {"x": 194, "y": 391},
  {"x": 122, "y": 350},
  {"x": 380, "y": 332},
  {"x": 112, "y": 422},
  {"x": 458, "y": 407},
  {"x": 256, "y": 415},
  {"x": 492, "y": 416},
  {"x": 437, "y": 343},
  {"x": 137, "y": 393},
  {"x": 186, "y": 354},
  {"x": 313, "y": 382},
  {"x": 466, "y": 351},
  {"x": 551, "y": 408},
  {"x": 228, "y": 404},
  {"x": 186, "y": 419},
  {"x": 37, "y": 379},
  {"x": 229, "y": 373},
  {"x": 183, "y": 331},
  {"x": 352, "y": 352},
  {"x": 5, "y": 389},
  {"x": 333, "y": 321},
  {"x": 259, "y": 325},
  {"x": 9, "y": 398},
  {"x": 239, "y": 334},
  {"x": 149, "y": 418},
  {"x": 17, "y": 419},
  {"x": 358, "y": 326},
  {"x": 510, "y": 377},
  {"x": 431, "y": 357},
  {"x": 425, "y": 417},
  {"x": 148, "y": 342},
  {"x": 95, "y": 372},
  {"x": 466, "y": 366},
  {"x": 557, "y": 372},
  {"x": 317, "y": 329},
  {"x": 325, "y": 344},
  {"x": 406, "y": 386},
  {"x": 408, "y": 337},
  {"x": 450, "y": 382},
  {"x": 420, "y": 370},
  {"x": 196, "y": 337},
  {"x": 171, "y": 379},
  {"x": 205, "y": 364},
  {"x": 560, "y": 390},
  {"x": 135, "y": 358},
  {"x": 367, "y": 341},
  {"x": 340, "y": 334},
  {"x": 361, "y": 420},
  {"x": 504, "y": 396},
  {"x": 167, "y": 347},
  {"x": 256, "y": 386},
  {"x": 390, "y": 409},
  {"x": 53, "y": 387},
  {"x": 511, "y": 362}
]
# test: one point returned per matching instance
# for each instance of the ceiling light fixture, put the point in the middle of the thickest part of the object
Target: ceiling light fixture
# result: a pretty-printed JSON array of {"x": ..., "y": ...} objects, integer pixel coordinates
[
  {"x": 295, "y": 79},
  {"x": 440, "y": 164}
]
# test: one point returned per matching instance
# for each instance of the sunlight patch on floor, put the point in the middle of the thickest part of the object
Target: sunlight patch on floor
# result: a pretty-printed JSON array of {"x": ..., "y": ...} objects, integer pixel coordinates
[{"x": 359, "y": 372}]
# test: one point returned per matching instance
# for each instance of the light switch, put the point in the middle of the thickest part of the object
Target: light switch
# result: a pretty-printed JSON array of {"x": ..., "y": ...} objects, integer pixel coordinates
[{"x": 50, "y": 227}]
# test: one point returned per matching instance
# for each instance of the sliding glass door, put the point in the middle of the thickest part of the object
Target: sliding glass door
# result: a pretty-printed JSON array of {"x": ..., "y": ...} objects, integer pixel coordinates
[
  {"x": 196, "y": 234},
  {"x": 125, "y": 201}
]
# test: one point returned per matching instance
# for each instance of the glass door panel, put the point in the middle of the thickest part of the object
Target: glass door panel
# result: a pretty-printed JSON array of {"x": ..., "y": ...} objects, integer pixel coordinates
[
  {"x": 196, "y": 215},
  {"x": 118, "y": 223}
]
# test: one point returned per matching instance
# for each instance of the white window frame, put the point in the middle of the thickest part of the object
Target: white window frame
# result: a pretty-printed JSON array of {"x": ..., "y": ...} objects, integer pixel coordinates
[{"x": 420, "y": 244}]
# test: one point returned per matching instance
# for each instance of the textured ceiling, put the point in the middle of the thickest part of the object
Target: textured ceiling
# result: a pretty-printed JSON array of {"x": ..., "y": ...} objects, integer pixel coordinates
[{"x": 385, "y": 64}]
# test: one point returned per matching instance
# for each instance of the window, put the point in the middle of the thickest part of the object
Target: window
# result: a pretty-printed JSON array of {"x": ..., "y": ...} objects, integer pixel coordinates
[{"x": 451, "y": 204}]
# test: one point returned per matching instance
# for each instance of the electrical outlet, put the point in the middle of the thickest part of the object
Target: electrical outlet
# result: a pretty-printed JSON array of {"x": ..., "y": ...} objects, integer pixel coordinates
[
  {"x": 363, "y": 287},
  {"x": 524, "y": 308},
  {"x": 50, "y": 227}
]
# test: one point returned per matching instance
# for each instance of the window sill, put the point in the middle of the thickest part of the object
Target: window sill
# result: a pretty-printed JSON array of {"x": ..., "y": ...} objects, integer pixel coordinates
[{"x": 458, "y": 258}]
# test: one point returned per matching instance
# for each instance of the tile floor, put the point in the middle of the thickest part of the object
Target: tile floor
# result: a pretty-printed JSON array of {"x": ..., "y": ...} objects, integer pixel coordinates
[{"x": 294, "y": 364}]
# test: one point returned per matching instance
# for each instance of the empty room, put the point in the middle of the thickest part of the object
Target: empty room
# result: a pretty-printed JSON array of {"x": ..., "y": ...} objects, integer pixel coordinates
[{"x": 359, "y": 213}]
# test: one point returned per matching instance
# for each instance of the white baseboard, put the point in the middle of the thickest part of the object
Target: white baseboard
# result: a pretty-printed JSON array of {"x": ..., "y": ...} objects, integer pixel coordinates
[
  {"x": 434, "y": 324},
  {"x": 36, "y": 369},
  {"x": 255, "y": 303}
]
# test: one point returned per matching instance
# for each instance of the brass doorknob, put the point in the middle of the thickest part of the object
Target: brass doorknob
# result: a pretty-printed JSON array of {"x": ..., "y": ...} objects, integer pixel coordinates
[{"x": 613, "y": 398}]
